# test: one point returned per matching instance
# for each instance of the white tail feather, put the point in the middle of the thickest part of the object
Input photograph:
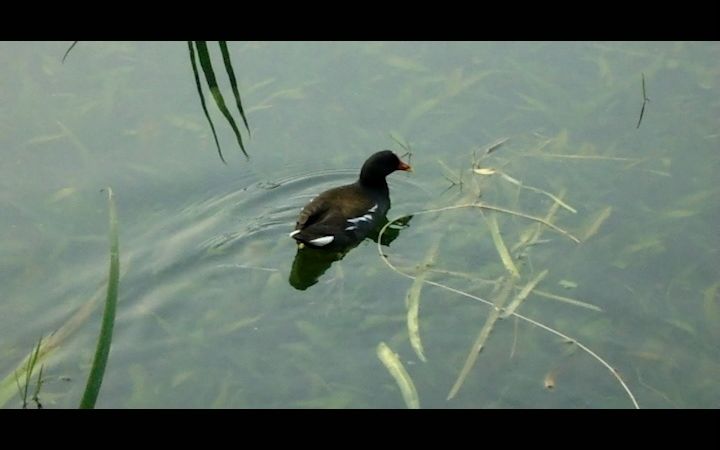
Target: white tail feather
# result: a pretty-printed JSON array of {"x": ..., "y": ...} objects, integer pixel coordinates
[{"x": 322, "y": 241}]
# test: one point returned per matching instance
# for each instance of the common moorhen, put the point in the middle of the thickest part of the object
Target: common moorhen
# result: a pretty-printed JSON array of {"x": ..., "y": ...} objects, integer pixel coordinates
[{"x": 341, "y": 217}]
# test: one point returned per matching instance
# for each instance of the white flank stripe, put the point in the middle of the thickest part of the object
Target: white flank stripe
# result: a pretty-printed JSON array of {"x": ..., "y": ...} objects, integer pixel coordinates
[
  {"x": 325, "y": 240},
  {"x": 373, "y": 209},
  {"x": 366, "y": 218},
  {"x": 294, "y": 233},
  {"x": 351, "y": 227}
]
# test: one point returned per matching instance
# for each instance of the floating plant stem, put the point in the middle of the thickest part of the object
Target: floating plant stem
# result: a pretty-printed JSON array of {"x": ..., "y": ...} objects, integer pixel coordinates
[
  {"x": 520, "y": 184},
  {"x": 519, "y": 214}
]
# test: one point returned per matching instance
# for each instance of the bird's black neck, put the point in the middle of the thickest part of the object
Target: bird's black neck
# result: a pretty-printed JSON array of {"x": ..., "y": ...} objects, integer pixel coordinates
[
  {"x": 372, "y": 177},
  {"x": 374, "y": 183}
]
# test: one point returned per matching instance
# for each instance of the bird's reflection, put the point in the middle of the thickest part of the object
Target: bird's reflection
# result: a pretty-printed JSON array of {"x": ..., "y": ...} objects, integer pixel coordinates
[{"x": 311, "y": 263}]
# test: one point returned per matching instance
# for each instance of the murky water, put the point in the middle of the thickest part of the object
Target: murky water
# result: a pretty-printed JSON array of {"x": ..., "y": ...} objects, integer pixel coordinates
[{"x": 207, "y": 316}]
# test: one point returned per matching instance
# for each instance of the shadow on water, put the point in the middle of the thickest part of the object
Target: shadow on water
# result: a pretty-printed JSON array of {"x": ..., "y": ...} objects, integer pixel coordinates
[{"x": 311, "y": 263}]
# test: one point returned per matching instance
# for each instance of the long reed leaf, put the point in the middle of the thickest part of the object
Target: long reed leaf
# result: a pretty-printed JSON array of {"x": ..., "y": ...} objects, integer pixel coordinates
[
  {"x": 206, "y": 64},
  {"x": 102, "y": 351},
  {"x": 202, "y": 99},
  {"x": 233, "y": 81}
]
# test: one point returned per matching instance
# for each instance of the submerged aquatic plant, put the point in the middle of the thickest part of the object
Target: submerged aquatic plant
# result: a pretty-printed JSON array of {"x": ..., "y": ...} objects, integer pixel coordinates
[
  {"x": 402, "y": 378},
  {"x": 497, "y": 309},
  {"x": 503, "y": 305}
]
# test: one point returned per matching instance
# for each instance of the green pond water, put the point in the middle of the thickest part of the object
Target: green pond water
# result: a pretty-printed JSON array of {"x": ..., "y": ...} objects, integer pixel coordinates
[{"x": 207, "y": 316}]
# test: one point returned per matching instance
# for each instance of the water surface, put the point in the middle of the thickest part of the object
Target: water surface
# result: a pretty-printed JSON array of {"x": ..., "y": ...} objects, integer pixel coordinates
[{"x": 206, "y": 315}]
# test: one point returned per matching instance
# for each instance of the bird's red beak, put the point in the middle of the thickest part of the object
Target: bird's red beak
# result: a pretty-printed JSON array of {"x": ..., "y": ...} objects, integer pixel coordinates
[{"x": 405, "y": 167}]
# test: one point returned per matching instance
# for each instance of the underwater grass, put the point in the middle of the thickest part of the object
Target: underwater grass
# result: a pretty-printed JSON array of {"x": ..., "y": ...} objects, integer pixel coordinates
[
  {"x": 102, "y": 351},
  {"x": 488, "y": 207},
  {"x": 501, "y": 247},
  {"x": 631, "y": 115},
  {"x": 595, "y": 225},
  {"x": 505, "y": 290},
  {"x": 480, "y": 205},
  {"x": 532, "y": 237},
  {"x": 522, "y": 295},
  {"x": 412, "y": 302},
  {"x": 568, "y": 300},
  {"x": 402, "y": 378}
]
